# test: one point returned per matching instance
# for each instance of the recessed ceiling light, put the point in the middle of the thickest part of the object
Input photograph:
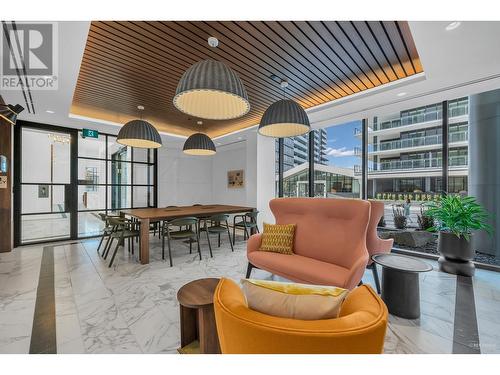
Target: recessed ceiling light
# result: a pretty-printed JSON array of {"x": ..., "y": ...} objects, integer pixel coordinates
[
  {"x": 401, "y": 94},
  {"x": 49, "y": 111},
  {"x": 453, "y": 25}
]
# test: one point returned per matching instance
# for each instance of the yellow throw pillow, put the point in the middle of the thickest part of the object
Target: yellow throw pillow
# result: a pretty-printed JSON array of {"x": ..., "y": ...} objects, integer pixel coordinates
[
  {"x": 294, "y": 301},
  {"x": 278, "y": 238}
]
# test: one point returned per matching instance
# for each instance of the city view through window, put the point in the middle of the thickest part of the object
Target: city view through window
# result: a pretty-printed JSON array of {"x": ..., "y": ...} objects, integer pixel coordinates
[{"x": 404, "y": 167}]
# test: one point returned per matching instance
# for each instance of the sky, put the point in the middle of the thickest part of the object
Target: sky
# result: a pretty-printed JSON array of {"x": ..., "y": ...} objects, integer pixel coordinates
[{"x": 340, "y": 144}]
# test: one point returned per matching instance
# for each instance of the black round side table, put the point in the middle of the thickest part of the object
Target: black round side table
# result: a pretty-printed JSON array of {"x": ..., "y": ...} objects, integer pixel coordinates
[{"x": 400, "y": 285}]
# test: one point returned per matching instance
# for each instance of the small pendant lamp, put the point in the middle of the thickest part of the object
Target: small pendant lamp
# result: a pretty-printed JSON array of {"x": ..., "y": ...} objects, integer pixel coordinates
[
  {"x": 211, "y": 90},
  {"x": 284, "y": 118},
  {"x": 139, "y": 133},
  {"x": 199, "y": 144}
]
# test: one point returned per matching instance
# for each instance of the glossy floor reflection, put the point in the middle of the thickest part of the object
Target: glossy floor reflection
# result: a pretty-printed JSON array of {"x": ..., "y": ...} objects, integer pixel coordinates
[{"x": 132, "y": 308}]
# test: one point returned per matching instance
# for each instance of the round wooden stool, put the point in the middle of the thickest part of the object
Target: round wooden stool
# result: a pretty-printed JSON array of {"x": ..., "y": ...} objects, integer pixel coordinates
[{"x": 198, "y": 330}]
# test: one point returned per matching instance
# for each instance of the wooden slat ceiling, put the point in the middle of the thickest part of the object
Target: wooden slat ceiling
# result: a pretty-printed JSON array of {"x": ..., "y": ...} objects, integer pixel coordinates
[{"x": 126, "y": 64}]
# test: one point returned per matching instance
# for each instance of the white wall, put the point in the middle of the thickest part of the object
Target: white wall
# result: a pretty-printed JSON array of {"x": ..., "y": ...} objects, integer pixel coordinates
[
  {"x": 183, "y": 179},
  {"x": 265, "y": 159},
  {"x": 228, "y": 158}
]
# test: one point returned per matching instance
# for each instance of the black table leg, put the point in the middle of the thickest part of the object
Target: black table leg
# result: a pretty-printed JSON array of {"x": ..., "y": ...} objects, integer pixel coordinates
[{"x": 401, "y": 293}]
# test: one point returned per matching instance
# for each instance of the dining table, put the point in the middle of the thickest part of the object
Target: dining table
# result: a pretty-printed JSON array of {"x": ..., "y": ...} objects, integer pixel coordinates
[{"x": 147, "y": 215}]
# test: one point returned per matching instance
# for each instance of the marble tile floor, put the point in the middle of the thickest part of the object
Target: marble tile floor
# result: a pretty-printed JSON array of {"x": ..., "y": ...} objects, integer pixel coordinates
[{"x": 132, "y": 308}]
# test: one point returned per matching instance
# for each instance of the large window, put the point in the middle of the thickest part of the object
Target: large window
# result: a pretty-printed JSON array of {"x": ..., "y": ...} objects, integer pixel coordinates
[
  {"x": 336, "y": 170},
  {"x": 111, "y": 177},
  {"x": 296, "y": 166},
  {"x": 404, "y": 167}
]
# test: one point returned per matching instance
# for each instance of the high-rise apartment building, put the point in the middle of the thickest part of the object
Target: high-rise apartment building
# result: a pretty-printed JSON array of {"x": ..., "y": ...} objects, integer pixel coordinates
[
  {"x": 295, "y": 150},
  {"x": 405, "y": 155}
]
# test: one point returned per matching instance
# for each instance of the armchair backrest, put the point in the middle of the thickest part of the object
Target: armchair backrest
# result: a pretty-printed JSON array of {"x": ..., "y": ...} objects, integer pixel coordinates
[
  {"x": 374, "y": 244},
  {"x": 330, "y": 230}
]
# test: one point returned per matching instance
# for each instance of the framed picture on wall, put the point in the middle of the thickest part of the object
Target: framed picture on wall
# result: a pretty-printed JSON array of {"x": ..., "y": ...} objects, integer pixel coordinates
[{"x": 235, "y": 179}]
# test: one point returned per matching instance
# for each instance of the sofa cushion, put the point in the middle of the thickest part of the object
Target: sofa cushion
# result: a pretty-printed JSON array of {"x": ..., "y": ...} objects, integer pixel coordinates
[
  {"x": 278, "y": 238},
  {"x": 300, "y": 269},
  {"x": 293, "y": 300}
]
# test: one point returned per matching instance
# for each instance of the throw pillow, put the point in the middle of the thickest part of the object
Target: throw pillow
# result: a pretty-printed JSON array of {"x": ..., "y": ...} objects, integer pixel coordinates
[
  {"x": 292, "y": 300},
  {"x": 278, "y": 238}
]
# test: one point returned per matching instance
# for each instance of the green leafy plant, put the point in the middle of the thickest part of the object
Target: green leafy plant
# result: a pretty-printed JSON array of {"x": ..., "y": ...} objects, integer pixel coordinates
[{"x": 459, "y": 215}]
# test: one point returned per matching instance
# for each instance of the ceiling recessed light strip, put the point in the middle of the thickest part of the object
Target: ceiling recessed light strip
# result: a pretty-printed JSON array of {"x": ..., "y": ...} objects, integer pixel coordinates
[{"x": 453, "y": 25}]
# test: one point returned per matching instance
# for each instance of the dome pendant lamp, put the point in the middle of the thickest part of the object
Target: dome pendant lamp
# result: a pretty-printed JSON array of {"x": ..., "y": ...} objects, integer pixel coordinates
[
  {"x": 199, "y": 144},
  {"x": 211, "y": 90},
  {"x": 284, "y": 118},
  {"x": 139, "y": 133}
]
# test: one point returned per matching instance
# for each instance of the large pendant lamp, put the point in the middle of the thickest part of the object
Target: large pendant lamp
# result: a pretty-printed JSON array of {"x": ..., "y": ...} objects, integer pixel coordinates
[
  {"x": 211, "y": 90},
  {"x": 199, "y": 144},
  {"x": 139, "y": 133},
  {"x": 9, "y": 112},
  {"x": 284, "y": 118}
]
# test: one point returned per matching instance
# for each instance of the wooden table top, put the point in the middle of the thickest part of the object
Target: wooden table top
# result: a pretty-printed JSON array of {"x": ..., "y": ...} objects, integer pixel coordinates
[
  {"x": 197, "y": 293},
  {"x": 185, "y": 211}
]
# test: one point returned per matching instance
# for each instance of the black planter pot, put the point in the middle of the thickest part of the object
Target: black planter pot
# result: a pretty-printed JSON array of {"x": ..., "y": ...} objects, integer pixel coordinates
[{"x": 456, "y": 254}]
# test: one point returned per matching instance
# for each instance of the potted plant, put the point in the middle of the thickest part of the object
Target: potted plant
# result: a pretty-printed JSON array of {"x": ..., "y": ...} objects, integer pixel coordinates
[
  {"x": 425, "y": 222},
  {"x": 456, "y": 217}
]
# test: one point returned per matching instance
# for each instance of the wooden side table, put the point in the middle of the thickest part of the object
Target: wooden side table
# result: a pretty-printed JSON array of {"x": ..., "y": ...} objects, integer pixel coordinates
[{"x": 198, "y": 329}]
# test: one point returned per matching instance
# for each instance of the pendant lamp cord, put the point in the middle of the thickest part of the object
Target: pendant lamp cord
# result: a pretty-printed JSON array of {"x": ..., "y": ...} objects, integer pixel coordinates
[{"x": 284, "y": 85}]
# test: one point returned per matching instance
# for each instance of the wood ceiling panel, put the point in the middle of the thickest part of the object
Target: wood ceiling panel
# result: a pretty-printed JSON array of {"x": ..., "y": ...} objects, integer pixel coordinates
[{"x": 126, "y": 64}]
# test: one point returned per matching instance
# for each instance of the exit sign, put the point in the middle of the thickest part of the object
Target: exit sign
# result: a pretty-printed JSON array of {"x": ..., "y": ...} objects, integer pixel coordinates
[{"x": 90, "y": 133}]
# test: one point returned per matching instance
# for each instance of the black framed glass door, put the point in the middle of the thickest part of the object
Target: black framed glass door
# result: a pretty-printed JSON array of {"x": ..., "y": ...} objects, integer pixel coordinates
[
  {"x": 63, "y": 181},
  {"x": 44, "y": 189}
]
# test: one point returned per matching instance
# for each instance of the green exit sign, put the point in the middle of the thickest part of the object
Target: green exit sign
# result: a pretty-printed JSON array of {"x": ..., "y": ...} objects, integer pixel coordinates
[{"x": 89, "y": 133}]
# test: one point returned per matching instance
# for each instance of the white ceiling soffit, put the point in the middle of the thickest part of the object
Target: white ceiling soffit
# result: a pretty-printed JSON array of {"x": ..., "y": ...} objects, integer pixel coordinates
[{"x": 456, "y": 63}]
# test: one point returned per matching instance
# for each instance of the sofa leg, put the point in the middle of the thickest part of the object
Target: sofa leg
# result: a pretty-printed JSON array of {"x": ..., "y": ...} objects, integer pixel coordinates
[
  {"x": 249, "y": 269},
  {"x": 375, "y": 277}
]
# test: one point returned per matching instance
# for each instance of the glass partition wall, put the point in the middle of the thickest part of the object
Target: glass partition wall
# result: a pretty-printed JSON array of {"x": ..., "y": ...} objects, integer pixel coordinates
[
  {"x": 111, "y": 177},
  {"x": 66, "y": 180}
]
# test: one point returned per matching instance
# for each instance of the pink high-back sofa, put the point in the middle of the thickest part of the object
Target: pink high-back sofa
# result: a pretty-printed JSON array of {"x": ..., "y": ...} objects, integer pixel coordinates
[
  {"x": 375, "y": 244},
  {"x": 329, "y": 244}
]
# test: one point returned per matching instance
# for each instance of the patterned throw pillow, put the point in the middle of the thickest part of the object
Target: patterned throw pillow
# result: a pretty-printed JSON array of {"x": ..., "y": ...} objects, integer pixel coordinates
[{"x": 278, "y": 238}]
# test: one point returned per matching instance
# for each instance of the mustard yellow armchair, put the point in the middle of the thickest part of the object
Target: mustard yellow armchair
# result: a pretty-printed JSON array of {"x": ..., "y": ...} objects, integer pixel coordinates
[{"x": 360, "y": 327}]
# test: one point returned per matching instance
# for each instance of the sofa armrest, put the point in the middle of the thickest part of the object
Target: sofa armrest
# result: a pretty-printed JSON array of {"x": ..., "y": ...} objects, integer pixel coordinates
[
  {"x": 356, "y": 272},
  {"x": 254, "y": 242}
]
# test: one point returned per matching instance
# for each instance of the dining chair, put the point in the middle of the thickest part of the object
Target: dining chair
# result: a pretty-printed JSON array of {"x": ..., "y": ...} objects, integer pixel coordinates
[
  {"x": 217, "y": 228},
  {"x": 247, "y": 222},
  {"x": 122, "y": 229},
  {"x": 191, "y": 233},
  {"x": 107, "y": 230}
]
